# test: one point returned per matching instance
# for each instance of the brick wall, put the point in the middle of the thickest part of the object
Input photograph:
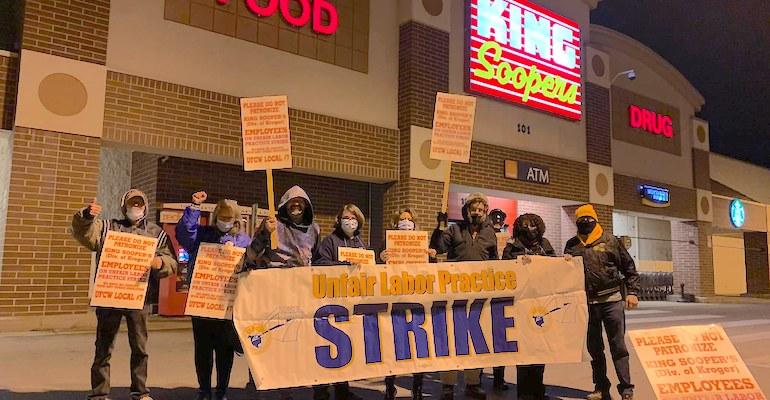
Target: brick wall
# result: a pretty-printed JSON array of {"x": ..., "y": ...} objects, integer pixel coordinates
[
  {"x": 44, "y": 270},
  {"x": 683, "y": 200},
  {"x": 598, "y": 133},
  {"x": 757, "y": 267},
  {"x": 569, "y": 179},
  {"x": 175, "y": 179},
  {"x": 9, "y": 75},
  {"x": 692, "y": 257},
  {"x": 180, "y": 120},
  {"x": 67, "y": 28}
]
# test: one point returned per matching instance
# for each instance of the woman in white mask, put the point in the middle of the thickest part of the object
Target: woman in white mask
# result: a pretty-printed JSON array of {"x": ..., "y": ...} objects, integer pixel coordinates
[
  {"x": 403, "y": 220},
  {"x": 347, "y": 233}
]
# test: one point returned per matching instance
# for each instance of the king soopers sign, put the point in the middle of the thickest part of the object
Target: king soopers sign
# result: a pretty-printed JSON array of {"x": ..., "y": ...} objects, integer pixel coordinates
[{"x": 522, "y": 53}]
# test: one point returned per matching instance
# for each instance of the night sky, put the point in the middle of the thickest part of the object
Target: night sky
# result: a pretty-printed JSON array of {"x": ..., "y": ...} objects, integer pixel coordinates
[{"x": 723, "y": 48}]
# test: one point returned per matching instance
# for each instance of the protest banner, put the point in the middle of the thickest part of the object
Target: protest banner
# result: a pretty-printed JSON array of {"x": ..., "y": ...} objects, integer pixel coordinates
[
  {"x": 301, "y": 326},
  {"x": 355, "y": 255},
  {"x": 452, "y": 134},
  {"x": 407, "y": 247},
  {"x": 266, "y": 141},
  {"x": 214, "y": 281},
  {"x": 123, "y": 271},
  {"x": 694, "y": 363}
]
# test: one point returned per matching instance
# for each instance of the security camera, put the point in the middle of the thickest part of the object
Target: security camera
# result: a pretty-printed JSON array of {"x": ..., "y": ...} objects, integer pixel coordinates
[{"x": 631, "y": 74}]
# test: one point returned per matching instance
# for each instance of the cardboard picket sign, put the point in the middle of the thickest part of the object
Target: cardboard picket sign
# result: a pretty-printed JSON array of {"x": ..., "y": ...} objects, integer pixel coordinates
[
  {"x": 124, "y": 271},
  {"x": 266, "y": 140},
  {"x": 407, "y": 247},
  {"x": 452, "y": 134},
  {"x": 694, "y": 362},
  {"x": 355, "y": 255},
  {"x": 214, "y": 281}
]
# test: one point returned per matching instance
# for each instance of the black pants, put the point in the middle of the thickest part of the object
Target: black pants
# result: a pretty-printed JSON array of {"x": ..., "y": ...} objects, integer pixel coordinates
[
  {"x": 529, "y": 381},
  {"x": 213, "y": 336},
  {"x": 613, "y": 316},
  {"x": 107, "y": 326}
]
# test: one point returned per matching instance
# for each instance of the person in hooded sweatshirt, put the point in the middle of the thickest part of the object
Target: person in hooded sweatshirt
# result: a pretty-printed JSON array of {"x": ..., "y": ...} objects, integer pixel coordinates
[
  {"x": 472, "y": 239},
  {"x": 403, "y": 220},
  {"x": 528, "y": 240},
  {"x": 298, "y": 239},
  {"x": 298, "y": 234},
  {"x": 212, "y": 336},
  {"x": 608, "y": 267},
  {"x": 347, "y": 233},
  {"x": 91, "y": 232}
]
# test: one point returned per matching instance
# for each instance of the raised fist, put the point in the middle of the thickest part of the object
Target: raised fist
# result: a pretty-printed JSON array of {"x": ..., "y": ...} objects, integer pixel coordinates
[
  {"x": 93, "y": 209},
  {"x": 199, "y": 197}
]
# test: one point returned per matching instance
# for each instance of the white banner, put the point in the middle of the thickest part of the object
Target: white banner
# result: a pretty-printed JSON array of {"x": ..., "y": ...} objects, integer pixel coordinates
[{"x": 308, "y": 326}]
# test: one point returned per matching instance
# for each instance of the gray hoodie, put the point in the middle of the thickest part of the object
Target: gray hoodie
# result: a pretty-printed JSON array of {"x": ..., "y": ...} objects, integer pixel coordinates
[{"x": 296, "y": 242}]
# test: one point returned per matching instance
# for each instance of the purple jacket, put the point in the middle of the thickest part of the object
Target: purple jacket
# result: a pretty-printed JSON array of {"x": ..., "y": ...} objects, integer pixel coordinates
[{"x": 190, "y": 234}]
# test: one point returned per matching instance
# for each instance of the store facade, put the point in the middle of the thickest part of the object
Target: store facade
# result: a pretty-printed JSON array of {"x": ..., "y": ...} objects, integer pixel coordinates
[{"x": 158, "y": 83}]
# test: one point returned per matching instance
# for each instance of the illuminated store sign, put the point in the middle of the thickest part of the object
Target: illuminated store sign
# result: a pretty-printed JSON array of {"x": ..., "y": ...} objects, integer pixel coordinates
[
  {"x": 324, "y": 16},
  {"x": 737, "y": 213},
  {"x": 522, "y": 53},
  {"x": 654, "y": 196},
  {"x": 650, "y": 121}
]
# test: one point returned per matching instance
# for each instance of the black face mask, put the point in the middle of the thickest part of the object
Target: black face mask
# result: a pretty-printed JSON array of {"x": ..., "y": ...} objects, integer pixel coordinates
[
  {"x": 531, "y": 234},
  {"x": 586, "y": 227}
]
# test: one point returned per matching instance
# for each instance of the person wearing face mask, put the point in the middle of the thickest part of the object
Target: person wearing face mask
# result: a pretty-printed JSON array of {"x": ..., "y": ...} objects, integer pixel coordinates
[
  {"x": 91, "y": 232},
  {"x": 472, "y": 239},
  {"x": 212, "y": 336},
  {"x": 403, "y": 220},
  {"x": 298, "y": 234},
  {"x": 527, "y": 240},
  {"x": 347, "y": 233},
  {"x": 298, "y": 239},
  {"x": 608, "y": 267}
]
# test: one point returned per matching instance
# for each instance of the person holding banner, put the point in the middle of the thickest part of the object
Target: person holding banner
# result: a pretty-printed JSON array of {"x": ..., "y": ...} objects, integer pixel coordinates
[
  {"x": 298, "y": 234},
  {"x": 346, "y": 233},
  {"x": 212, "y": 335},
  {"x": 608, "y": 267},
  {"x": 403, "y": 220},
  {"x": 527, "y": 239},
  {"x": 472, "y": 239},
  {"x": 91, "y": 232}
]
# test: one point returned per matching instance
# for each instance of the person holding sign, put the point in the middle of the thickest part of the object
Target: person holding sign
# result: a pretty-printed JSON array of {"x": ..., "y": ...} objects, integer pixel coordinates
[
  {"x": 298, "y": 235},
  {"x": 472, "y": 239},
  {"x": 403, "y": 220},
  {"x": 527, "y": 239},
  {"x": 346, "y": 233},
  {"x": 91, "y": 232},
  {"x": 212, "y": 335},
  {"x": 608, "y": 267}
]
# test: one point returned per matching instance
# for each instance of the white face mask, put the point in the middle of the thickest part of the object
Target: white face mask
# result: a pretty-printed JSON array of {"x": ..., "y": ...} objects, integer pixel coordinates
[
  {"x": 349, "y": 226},
  {"x": 135, "y": 213},
  {"x": 225, "y": 227},
  {"x": 406, "y": 225}
]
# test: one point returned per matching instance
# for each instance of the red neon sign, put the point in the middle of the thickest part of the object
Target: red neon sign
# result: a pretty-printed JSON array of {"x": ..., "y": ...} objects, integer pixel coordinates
[
  {"x": 316, "y": 11},
  {"x": 650, "y": 121},
  {"x": 522, "y": 53}
]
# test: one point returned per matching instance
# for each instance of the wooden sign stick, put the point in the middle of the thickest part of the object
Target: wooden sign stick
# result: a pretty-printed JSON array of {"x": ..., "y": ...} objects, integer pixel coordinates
[
  {"x": 271, "y": 206},
  {"x": 445, "y": 197}
]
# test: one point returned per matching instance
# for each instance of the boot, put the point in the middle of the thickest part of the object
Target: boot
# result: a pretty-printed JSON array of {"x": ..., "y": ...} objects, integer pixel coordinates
[
  {"x": 498, "y": 379},
  {"x": 599, "y": 394},
  {"x": 475, "y": 392},
  {"x": 447, "y": 392}
]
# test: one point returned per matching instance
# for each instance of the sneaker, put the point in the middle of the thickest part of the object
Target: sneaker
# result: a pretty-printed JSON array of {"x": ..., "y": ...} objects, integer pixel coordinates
[
  {"x": 599, "y": 394},
  {"x": 628, "y": 396},
  {"x": 475, "y": 392},
  {"x": 203, "y": 395}
]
